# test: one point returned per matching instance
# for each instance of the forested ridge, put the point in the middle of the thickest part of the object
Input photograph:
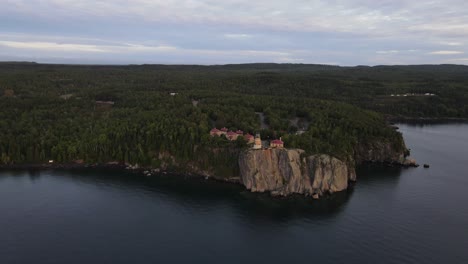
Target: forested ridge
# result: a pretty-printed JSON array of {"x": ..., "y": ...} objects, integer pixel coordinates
[{"x": 127, "y": 113}]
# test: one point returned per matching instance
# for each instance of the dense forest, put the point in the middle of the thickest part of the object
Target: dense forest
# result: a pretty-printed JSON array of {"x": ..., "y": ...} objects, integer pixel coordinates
[{"x": 159, "y": 114}]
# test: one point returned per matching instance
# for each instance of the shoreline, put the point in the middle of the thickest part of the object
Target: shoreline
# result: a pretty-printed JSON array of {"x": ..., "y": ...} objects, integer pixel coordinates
[
  {"x": 152, "y": 172},
  {"x": 143, "y": 171},
  {"x": 426, "y": 120},
  {"x": 149, "y": 171}
]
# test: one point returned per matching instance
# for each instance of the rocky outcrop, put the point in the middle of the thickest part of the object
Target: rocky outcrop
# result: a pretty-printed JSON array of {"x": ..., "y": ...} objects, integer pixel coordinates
[
  {"x": 380, "y": 152},
  {"x": 288, "y": 171},
  {"x": 410, "y": 163}
]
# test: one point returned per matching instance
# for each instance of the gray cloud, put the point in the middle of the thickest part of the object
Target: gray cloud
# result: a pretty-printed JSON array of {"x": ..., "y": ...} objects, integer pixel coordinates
[
  {"x": 446, "y": 52},
  {"x": 347, "y": 32}
]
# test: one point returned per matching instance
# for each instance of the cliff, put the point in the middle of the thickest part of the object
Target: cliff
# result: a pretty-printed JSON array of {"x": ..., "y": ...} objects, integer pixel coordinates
[
  {"x": 286, "y": 171},
  {"x": 381, "y": 152}
]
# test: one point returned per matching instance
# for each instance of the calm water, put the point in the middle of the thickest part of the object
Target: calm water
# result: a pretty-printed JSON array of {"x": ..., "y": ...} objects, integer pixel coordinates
[{"x": 391, "y": 216}]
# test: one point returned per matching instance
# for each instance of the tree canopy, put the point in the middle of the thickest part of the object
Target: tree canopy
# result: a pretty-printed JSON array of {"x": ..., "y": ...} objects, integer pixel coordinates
[{"x": 127, "y": 113}]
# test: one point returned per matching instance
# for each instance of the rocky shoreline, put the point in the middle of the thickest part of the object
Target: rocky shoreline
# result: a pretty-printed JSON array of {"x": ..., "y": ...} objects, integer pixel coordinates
[
  {"x": 118, "y": 167},
  {"x": 284, "y": 172},
  {"x": 61, "y": 166},
  {"x": 281, "y": 172}
]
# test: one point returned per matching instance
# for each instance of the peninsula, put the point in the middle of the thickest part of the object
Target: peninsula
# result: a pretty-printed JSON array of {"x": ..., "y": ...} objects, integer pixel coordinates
[{"x": 279, "y": 128}]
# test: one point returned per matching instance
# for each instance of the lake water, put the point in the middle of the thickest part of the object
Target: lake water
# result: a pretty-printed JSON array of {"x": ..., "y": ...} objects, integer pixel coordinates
[{"x": 392, "y": 215}]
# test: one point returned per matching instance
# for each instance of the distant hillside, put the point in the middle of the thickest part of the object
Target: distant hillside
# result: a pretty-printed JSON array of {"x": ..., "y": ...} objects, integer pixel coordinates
[{"x": 367, "y": 87}]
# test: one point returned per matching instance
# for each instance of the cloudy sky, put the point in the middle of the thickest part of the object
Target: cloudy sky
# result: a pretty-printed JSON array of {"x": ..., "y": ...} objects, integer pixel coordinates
[{"x": 341, "y": 32}]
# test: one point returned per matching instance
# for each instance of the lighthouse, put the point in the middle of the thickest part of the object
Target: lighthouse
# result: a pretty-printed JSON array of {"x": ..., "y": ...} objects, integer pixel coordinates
[{"x": 258, "y": 142}]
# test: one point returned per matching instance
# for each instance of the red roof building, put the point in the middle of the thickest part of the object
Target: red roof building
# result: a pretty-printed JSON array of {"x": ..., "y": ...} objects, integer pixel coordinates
[
  {"x": 231, "y": 135},
  {"x": 250, "y": 138},
  {"x": 215, "y": 132},
  {"x": 277, "y": 143}
]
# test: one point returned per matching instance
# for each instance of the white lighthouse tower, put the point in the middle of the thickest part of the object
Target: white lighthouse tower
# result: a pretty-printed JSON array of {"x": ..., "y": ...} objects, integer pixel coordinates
[{"x": 258, "y": 142}]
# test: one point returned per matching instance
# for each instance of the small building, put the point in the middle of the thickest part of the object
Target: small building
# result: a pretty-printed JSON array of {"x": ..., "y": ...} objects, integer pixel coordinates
[
  {"x": 240, "y": 132},
  {"x": 223, "y": 131},
  {"x": 214, "y": 132},
  {"x": 249, "y": 138},
  {"x": 217, "y": 132},
  {"x": 232, "y": 135},
  {"x": 277, "y": 143},
  {"x": 257, "y": 142}
]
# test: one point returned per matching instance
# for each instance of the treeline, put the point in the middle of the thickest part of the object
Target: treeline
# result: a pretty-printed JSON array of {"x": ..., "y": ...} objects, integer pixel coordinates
[{"x": 365, "y": 87}]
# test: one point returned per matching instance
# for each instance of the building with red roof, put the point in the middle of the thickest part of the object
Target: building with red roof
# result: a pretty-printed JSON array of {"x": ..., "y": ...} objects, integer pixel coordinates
[
  {"x": 232, "y": 135},
  {"x": 223, "y": 131},
  {"x": 249, "y": 138},
  {"x": 277, "y": 143},
  {"x": 214, "y": 132}
]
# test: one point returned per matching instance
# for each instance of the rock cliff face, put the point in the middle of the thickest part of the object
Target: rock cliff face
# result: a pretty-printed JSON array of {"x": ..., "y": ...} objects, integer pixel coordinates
[
  {"x": 286, "y": 171},
  {"x": 380, "y": 152}
]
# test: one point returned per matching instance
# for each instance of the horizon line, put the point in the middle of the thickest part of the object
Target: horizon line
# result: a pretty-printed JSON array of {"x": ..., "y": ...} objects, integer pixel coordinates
[{"x": 225, "y": 64}]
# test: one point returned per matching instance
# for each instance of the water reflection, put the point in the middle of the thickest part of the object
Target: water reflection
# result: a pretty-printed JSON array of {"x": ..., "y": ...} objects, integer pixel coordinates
[
  {"x": 385, "y": 174},
  {"x": 34, "y": 174},
  {"x": 206, "y": 196}
]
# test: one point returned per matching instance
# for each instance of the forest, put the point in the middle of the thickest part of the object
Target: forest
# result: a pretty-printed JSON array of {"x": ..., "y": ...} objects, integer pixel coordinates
[{"x": 162, "y": 114}]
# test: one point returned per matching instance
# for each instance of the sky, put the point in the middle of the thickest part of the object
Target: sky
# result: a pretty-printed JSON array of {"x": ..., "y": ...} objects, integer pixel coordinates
[{"x": 337, "y": 32}]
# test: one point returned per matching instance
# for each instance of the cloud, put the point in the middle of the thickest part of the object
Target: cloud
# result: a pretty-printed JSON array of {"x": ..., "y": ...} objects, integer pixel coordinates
[
  {"x": 358, "y": 16},
  {"x": 122, "y": 49},
  {"x": 142, "y": 48},
  {"x": 387, "y": 51},
  {"x": 446, "y": 52},
  {"x": 290, "y": 60},
  {"x": 50, "y": 46},
  {"x": 209, "y": 31},
  {"x": 396, "y": 51},
  {"x": 237, "y": 36},
  {"x": 448, "y": 43},
  {"x": 73, "y": 47},
  {"x": 459, "y": 60}
]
